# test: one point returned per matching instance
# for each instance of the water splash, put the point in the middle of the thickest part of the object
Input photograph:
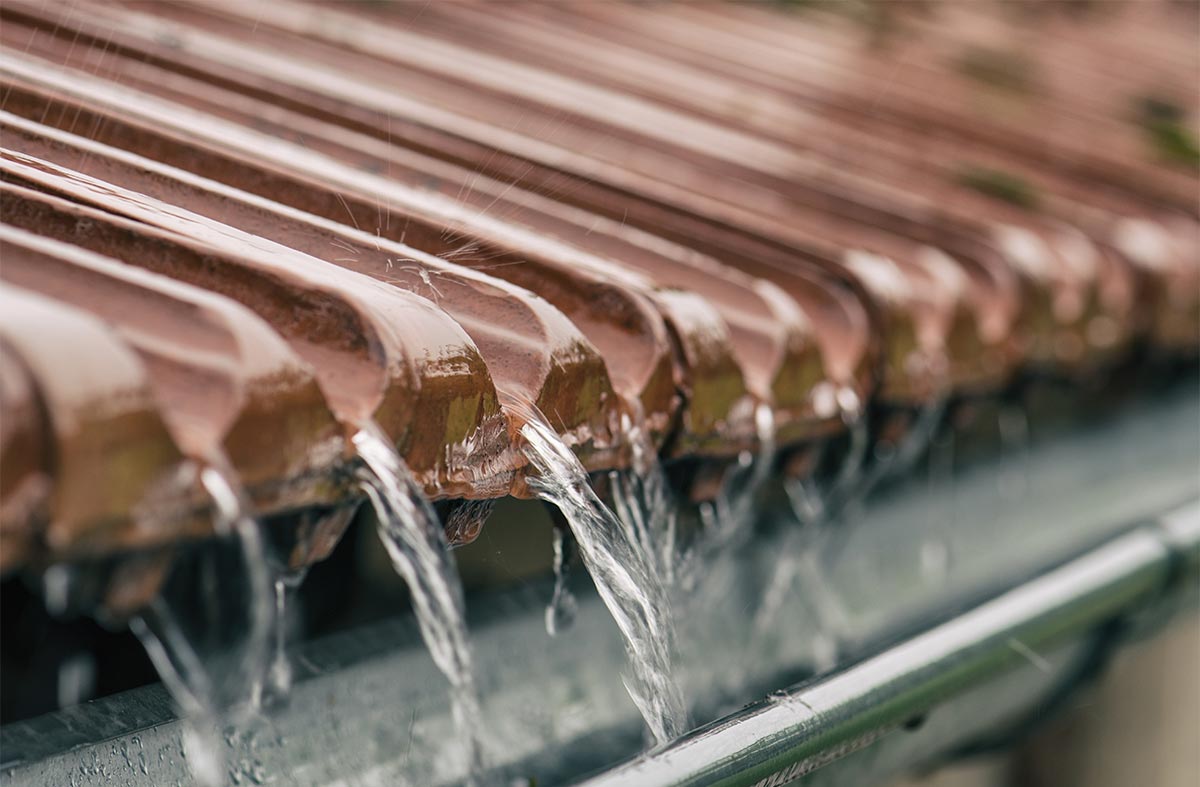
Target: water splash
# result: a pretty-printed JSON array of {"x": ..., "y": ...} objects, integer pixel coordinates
[
  {"x": 416, "y": 543},
  {"x": 622, "y": 574},
  {"x": 561, "y": 611}
]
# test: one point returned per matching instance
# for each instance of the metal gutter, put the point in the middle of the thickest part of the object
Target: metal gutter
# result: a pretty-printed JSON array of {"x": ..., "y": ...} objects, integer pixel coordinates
[
  {"x": 1081, "y": 522},
  {"x": 795, "y": 732},
  {"x": 920, "y": 699}
]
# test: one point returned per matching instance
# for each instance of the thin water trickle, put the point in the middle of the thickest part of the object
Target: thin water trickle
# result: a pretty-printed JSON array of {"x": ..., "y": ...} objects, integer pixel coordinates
[
  {"x": 923, "y": 430},
  {"x": 56, "y": 588},
  {"x": 416, "y": 543},
  {"x": 187, "y": 681},
  {"x": 643, "y": 501},
  {"x": 621, "y": 571},
  {"x": 279, "y": 677},
  {"x": 935, "y": 554},
  {"x": 728, "y": 521},
  {"x": 208, "y": 695},
  {"x": 815, "y": 505},
  {"x": 850, "y": 475},
  {"x": 1012, "y": 422},
  {"x": 849, "y": 494},
  {"x": 76, "y": 679},
  {"x": 561, "y": 611},
  {"x": 808, "y": 502},
  {"x": 904, "y": 453},
  {"x": 778, "y": 588},
  {"x": 233, "y": 518},
  {"x": 800, "y": 566}
]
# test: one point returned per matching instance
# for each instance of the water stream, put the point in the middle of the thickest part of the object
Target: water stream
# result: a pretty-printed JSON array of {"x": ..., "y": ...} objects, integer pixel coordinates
[
  {"x": 905, "y": 452},
  {"x": 815, "y": 503},
  {"x": 187, "y": 681},
  {"x": 213, "y": 692},
  {"x": 416, "y": 543},
  {"x": 561, "y": 611},
  {"x": 1012, "y": 423},
  {"x": 644, "y": 503},
  {"x": 825, "y": 517},
  {"x": 621, "y": 570},
  {"x": 233, "y": 518},
  {"x": 729, "y": 519},
  {"x": 279, "y": 676},
  {"x": 934, "y": 552}
]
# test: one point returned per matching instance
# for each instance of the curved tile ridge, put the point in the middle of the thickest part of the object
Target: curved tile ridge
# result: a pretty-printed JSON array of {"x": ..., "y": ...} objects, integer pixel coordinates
[
  {"x": 709, "y": 380},
  {"x": 845, "y": 350},
  {"x": 117, "y": 479},
  {"x": 1086, "y": 312},
  {"x": 920, "y": 329},
  {"x": 229, "y": 388},
  {"x": 25, "y": 470},
  {"x": 608, "y": 305},
  {"x": 532, "y": 350},
  {"x": 379, "y": 353}
]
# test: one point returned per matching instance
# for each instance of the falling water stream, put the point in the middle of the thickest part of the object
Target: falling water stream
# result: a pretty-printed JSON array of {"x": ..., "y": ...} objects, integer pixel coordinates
[
  {"x": 632, "y": 556},
  {"x": 814, "y": 504},
  {"x": 907, "y": 450},
  {"x": 211, "y": 695},
  {"x": 1012, "y": 423},
  {"x": 643, "y": 502},
  {"x": 279, "y": 676},
  {"x": 233, "y": 517},
  {"x": 829, "y": 517},
  {"x": 728, "y": 520},
  {"x": 622, "y": 572},
  {"x": 816, "y": 509},
  {"x": 562, "y": 609},
  {"x": 186, "y": 679},
  {"x": 416, "y": 543},
  {"x": 934, "y": 551}
]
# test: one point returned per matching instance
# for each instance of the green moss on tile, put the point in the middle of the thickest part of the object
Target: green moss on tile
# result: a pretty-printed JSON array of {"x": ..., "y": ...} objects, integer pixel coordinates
[
  {"x": 1164, "y": 126},
  {"x": 998, "y": 184}
]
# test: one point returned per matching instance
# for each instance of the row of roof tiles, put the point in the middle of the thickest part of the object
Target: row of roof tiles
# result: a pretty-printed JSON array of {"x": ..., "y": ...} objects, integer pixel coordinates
[{"x": 237, "y": 234}]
